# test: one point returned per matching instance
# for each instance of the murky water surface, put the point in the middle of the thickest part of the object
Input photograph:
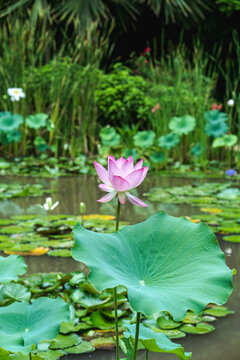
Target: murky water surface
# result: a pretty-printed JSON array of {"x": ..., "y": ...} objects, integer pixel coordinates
[{"x": 222, "y": 344}]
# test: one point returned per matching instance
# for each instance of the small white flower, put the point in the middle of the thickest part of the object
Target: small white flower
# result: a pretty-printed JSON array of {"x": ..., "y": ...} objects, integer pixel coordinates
[
  {"x": 230, "y": 102},
  {"x": 16, "y": 94},
  {"x": 49, "y": 206}
]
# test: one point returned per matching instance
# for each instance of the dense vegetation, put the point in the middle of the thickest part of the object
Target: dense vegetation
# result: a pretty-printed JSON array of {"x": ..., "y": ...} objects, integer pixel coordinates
[{"x": 163, "y": 103}]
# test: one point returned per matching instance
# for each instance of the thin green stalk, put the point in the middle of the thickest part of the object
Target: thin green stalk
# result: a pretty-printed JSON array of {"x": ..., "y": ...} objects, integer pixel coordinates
[
  {"x": 115, "y": 292},
  {"x": 136, "y": 336},
  {"x": 146, "y": 354},
  {"x": 118, "y": 215},
  {"x": 116, "y": 324},
  {"x": 30, "y": 356}
]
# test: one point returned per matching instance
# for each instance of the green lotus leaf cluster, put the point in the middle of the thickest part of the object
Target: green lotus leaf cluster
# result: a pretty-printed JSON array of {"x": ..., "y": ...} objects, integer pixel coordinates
[
  {"x": 144, "y": 139},
  {"x": 9, "y": 125},
  {"x": 168, "y": 141},
  {"x": 109, "y": 136},
  {"x": 182, "y": 125},
  {"x": 215, "y": 123},
  {"x": 225, "y": 141}
]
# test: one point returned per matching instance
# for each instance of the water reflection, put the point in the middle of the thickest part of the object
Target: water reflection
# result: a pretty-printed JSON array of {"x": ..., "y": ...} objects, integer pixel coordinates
[{"x": 70, "y": 191}]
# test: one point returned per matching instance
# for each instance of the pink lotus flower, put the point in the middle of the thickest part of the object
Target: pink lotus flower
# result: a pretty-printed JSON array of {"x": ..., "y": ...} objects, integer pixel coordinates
[{"x": 121, "y": 177}]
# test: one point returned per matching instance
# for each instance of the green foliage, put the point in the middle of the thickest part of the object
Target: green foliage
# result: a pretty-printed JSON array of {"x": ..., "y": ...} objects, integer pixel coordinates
[
  {"x": 225, "y": 141},
  {"x": 168, "y": 141},
  {"x": 120, "y": 94},
  {"x": 182, "y": 125},
  {"x": 11, "y": 267},
  {"x": 228, "y": 6},
  {"x": 146, "y": 283},
  {"x": 24, "y": 325},
  {"x": 144, "y": 139},
  {"x": 36, "y": 121},
  {"x": 109, "y": 136},
  {"x": 156, "y": 342},
  {"x": 216, "y": 123}
]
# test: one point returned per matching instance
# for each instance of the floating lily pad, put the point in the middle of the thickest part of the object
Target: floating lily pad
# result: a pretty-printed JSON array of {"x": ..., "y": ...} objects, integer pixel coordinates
[
  {"x": 50, "y": 354},
  {"x": 65, "y": 341},
  {"x": 60, "y": 253},
  {"x": 232, "y": 238},
  {"x": 229, "y": 194},
  {"x": 103, "y": 343},
  {"x": 218, "y": 311},
  {"x": 166, "y": 322},
  {"x": 81, "y": 348},
  {"x": 201, "y": 328}
]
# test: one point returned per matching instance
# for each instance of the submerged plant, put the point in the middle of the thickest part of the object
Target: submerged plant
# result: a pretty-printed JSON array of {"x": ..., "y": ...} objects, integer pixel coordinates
[{"x": 121, "y": 177}]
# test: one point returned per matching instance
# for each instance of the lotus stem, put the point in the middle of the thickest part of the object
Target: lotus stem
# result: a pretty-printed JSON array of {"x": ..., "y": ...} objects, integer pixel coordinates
[
  {"x": 136, "y": 336},
  {"x": 116, "y": 324},
  {"x": 115, "y": 292},
  {"x": 30, "y": 356},
  {"x": 146, "y": 354},
  {"x": 118, "y": 215}
]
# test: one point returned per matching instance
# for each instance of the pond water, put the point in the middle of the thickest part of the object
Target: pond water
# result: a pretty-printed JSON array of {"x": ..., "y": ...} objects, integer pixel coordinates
[{"x": 221, "y": 344}]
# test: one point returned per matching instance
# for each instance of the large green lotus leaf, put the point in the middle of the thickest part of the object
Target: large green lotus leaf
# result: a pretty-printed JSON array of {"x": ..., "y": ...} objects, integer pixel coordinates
[
  {"x": 168, "y": 141},
  {"x": 215, "y": 116},
  {"x": 109, "y": 136},
  {"x": 226, "y": 140},
  {"x": 182, "y": 125},
  {"x": 10, "y": 122},
  {"x": 166, "y": 263},
  {"x": 36, "y": 121},
  {"x": 11, "y": 267},
  {"x": 157, "y": 342},
  {"x": 32, "y": 323},
  {"x": 144, "y": 139},
  {"x": 216, "y": 129}
]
